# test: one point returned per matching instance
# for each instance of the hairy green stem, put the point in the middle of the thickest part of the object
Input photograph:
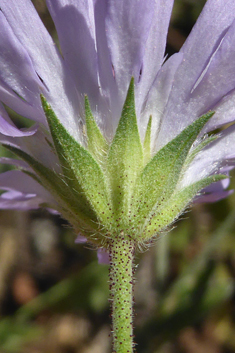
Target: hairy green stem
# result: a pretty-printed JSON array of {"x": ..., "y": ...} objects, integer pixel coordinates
[{"x": 121, "y": 288}]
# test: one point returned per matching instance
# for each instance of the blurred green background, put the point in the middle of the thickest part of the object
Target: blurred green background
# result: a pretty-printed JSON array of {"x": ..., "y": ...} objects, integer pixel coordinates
[{"x": 54, "y": 295}]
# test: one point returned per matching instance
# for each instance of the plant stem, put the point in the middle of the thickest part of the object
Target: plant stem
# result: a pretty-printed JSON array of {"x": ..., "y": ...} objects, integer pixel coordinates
[{"x": 121, "y": 288}]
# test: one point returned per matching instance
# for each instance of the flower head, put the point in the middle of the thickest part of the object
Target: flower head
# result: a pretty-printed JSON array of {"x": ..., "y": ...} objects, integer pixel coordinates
[{"x": 119, "y": 143}]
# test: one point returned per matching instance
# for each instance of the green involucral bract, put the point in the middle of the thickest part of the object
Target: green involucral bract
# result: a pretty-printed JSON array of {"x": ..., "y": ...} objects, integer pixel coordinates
[
  {"x": 119, "y": 188},
  {"x": 96, "y": 143},
  {"x": 124, "y": 162}
]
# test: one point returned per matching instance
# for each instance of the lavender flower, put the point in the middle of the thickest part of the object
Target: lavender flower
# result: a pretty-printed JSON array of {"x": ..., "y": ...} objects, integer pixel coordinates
[
  {"x": 121, "y": 144},
  {"x": 104, "y": 44}
]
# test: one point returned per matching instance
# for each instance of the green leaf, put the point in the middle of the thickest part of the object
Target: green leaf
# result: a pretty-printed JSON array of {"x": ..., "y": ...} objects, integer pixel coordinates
[
  {"x": 83, "y": 173},
  {"x": 96, "y": 143},
  {"x": 125, "y": 158},
  {"x": 160, "y": 176},
  {"x": 167, "y": 213}
]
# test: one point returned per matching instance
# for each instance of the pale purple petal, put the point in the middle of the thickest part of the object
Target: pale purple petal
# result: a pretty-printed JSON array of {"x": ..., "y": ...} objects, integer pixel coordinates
[
  {"x": 16, "y": 195},
  {"x": 103, "y": 256},
  {"x": 154, "y": 49},
  {"x": 45, "y": 154},
  {"x": 22, "y": 204},
  {"x": 16, "y": 200},
  {"x": 24, "y": 81},
  {"x": 108, "y": 87},
  {"x": 30, "y": 144},
  {"x": 219, "y": 185},
  {"x": 75, "y": 25},
  {"x": 46, "y": 60},
  {"x": 74, "y": 21},
  {"x": 220, "y": 68},
  {"x": 213, "y": 197},
  {"x": 11, "y": 99},
  {"x": 9, "y": 129},
  {"x": 20, "y": 186},
  {"x": 224, "y": 110},
  {"x": 212, "y": 159},
  {"x": 80, "y": 239},
  {"x": 200, "y": 46},
  {"x": 128, "y": 25},
  {"x": 19, "y": 181},
  {"x": 215, "y": 191},
  {"x": 218, "y": 80},
  {"x": 158, "y": 96},
  {"x": 16, "y": 162}
]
